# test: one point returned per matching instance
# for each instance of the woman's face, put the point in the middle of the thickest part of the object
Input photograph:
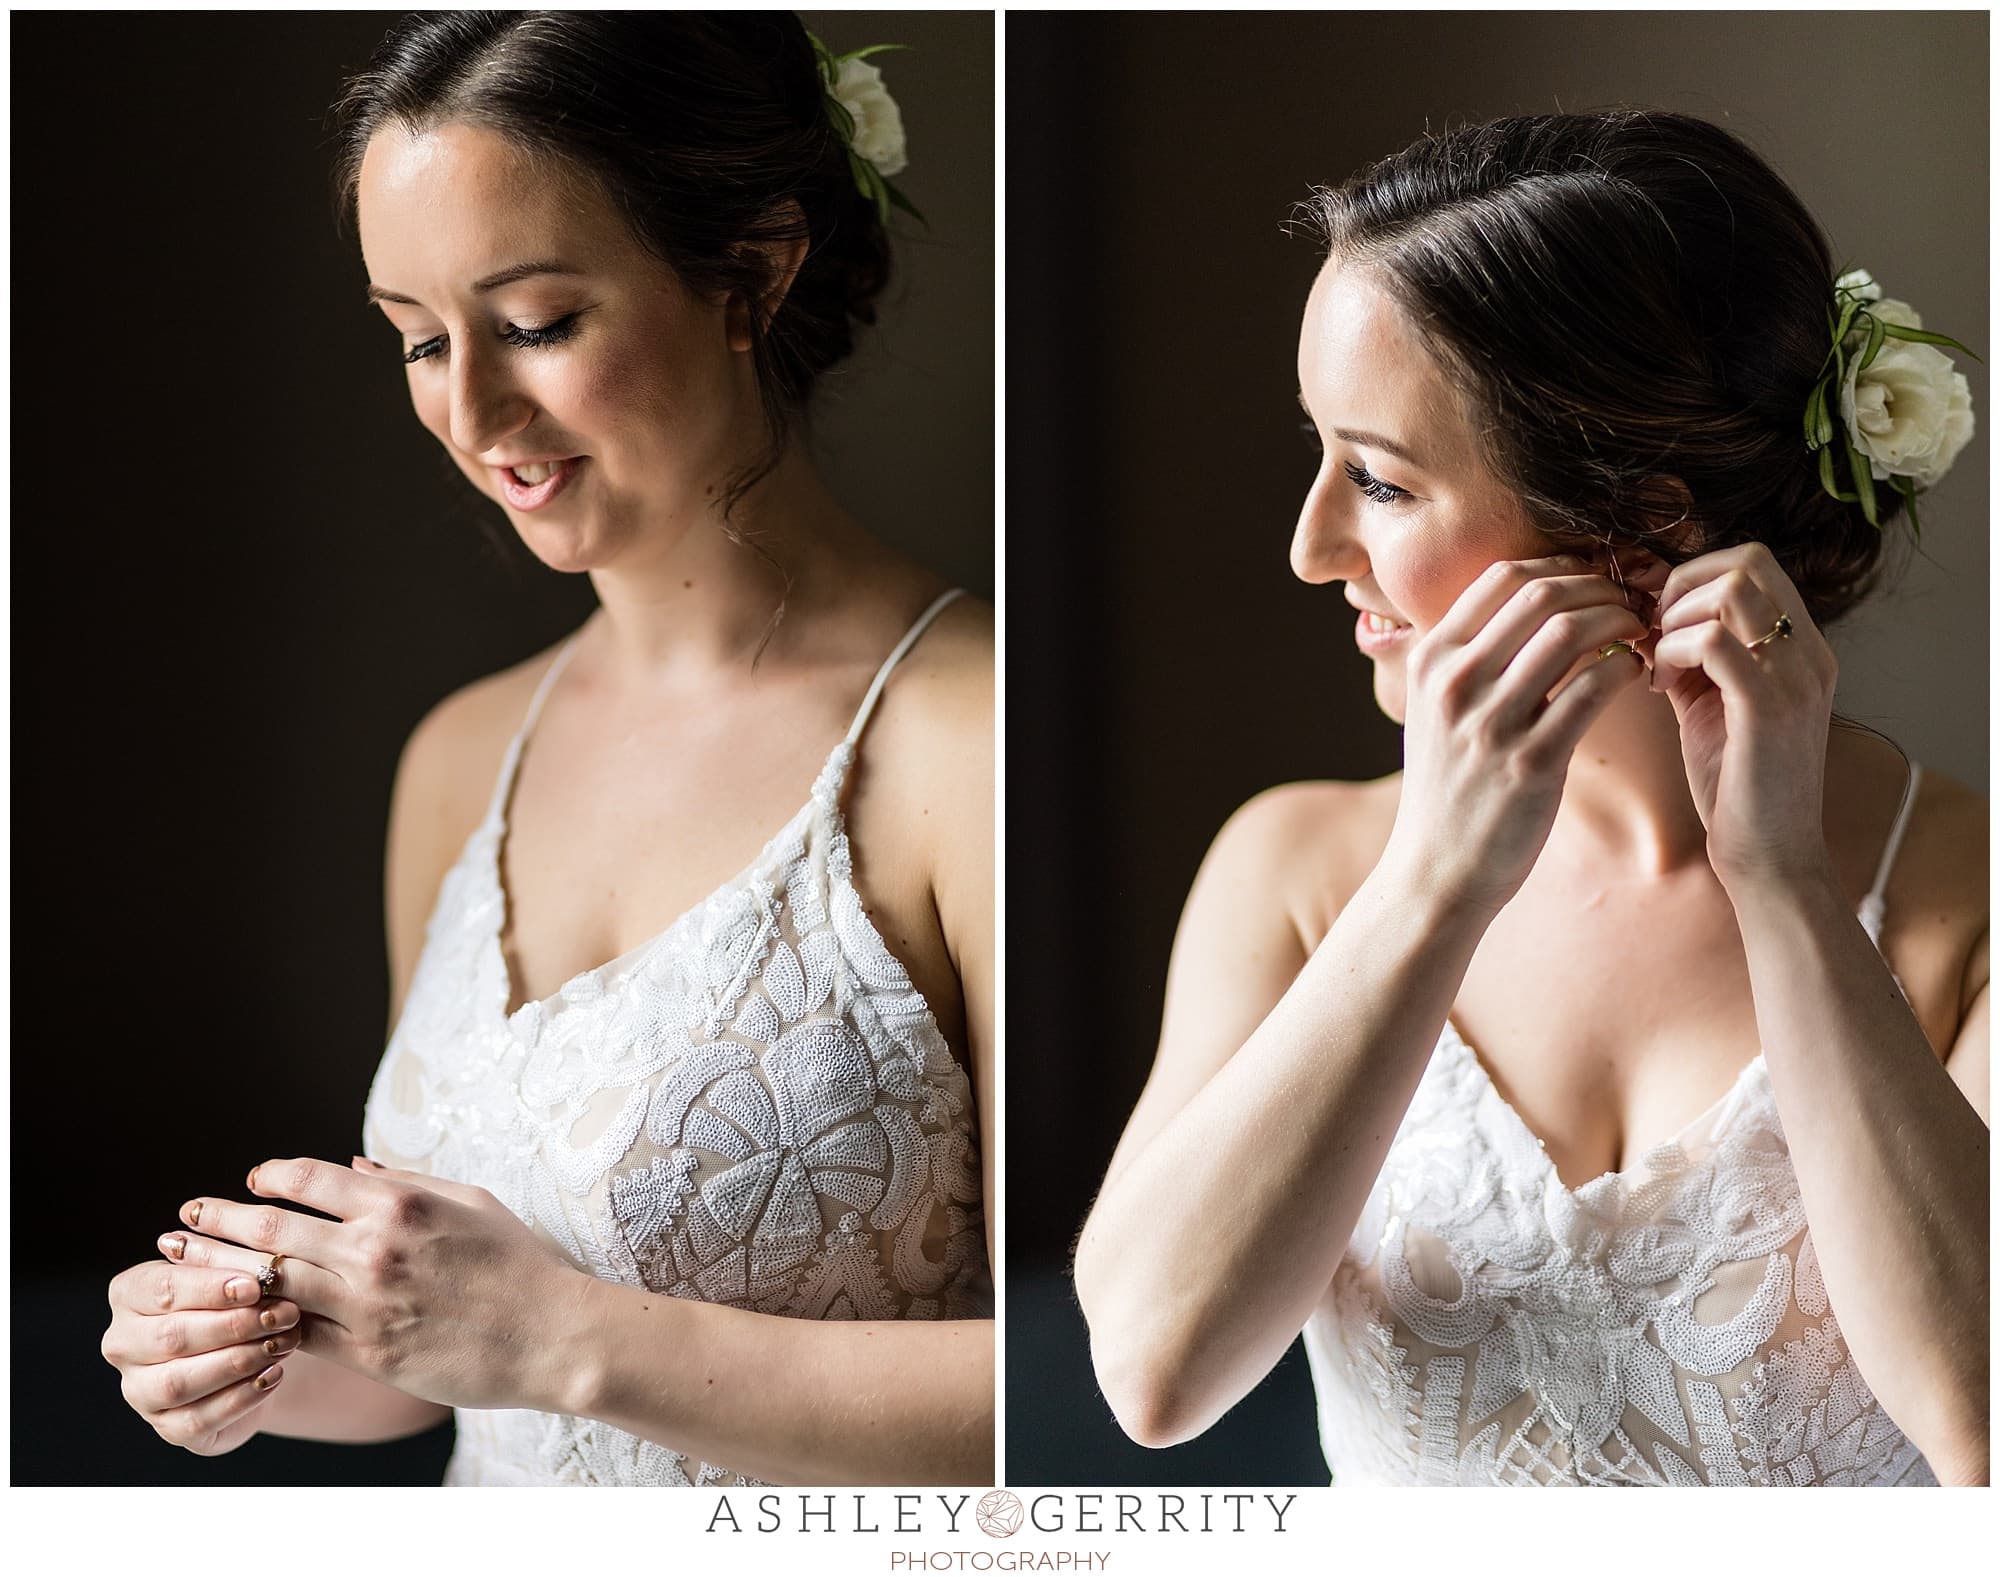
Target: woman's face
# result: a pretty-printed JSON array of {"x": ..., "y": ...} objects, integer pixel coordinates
[
  {"x": 1404, "y": 508},
  {"x": 643, "y": 388}
]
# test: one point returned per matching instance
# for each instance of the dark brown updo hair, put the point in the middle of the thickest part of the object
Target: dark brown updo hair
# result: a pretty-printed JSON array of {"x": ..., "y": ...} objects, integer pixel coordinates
[
  {"x": 1635, "y": 305},
  {"x": 708, "y": 133}
]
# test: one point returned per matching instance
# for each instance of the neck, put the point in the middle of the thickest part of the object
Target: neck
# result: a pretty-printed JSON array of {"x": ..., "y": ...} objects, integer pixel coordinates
[
  {"x": 706, "y": 598},
  {"x": 1626, "y": 802}
]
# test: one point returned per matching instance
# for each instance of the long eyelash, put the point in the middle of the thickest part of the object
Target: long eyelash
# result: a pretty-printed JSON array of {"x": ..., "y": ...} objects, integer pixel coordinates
[
  {"x": 525, "y": 339},
  {"x": 1372, "y": 486}
]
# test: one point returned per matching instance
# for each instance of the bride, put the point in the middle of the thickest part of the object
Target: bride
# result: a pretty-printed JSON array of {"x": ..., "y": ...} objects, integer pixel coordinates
[
  {"x": 1555, "y": 1086},
  {"x": 708, "y": 1212}
]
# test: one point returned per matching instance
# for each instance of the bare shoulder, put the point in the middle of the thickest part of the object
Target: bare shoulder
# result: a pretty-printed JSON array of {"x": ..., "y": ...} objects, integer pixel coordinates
[
  {"x": 1937, "y": 903},
  {"x": 452, "y": 757},
  {"x": 932, "y": 740},
  {"x": 1305, "y": 847},
  {"x": 945, "y": 683},
  {"x": 444, "y": 782}
]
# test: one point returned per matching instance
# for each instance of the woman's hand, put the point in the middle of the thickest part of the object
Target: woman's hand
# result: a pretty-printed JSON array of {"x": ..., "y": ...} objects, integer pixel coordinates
[
  {"x": 435, "y": 1288},
  {"x": 1753, "y": 722},
  {"x": 197, "y": 1352},
  {"x": 1486, "y": 749}
]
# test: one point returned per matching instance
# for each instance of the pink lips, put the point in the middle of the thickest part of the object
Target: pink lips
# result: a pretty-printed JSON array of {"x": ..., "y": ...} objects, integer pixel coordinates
[{"x": 535, "y": 497}]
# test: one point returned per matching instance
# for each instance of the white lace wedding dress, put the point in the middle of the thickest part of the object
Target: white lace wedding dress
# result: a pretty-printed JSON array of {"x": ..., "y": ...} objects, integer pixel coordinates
[
  {"x": 1663, "y": 1325},
  {"x": 754, "y": 1108}
]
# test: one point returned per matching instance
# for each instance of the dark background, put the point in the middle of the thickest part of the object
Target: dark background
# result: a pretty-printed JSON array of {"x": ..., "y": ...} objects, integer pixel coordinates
[
  {"x": 1163, "y": 666},
  {"x": 242, "y": 572}
]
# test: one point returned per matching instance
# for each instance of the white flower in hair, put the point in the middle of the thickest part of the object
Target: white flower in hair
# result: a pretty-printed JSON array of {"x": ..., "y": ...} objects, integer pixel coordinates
[
  {"x": 878, "y": 123},
  {"x": 1905, "y": 411},
  {"x": 1910, "y": 409},
  {"x": 1858, "y": 282}
]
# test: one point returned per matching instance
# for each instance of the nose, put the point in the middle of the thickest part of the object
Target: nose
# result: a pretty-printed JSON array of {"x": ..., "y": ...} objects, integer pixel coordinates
[
  {"x": 1326, "y": 544},
  {"x": 487, "y": 405}
]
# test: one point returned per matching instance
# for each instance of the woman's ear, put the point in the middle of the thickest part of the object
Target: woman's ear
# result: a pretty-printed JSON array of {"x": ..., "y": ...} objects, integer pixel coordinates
[
  {"x": 782, "y": 261},
  {"x": 1639, "y": 568}
]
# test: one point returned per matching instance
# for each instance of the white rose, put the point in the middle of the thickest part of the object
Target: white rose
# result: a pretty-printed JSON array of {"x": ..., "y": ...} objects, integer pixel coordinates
[
  {"x": 1861, "y": 282},
  {"x": 1910, "y": 412},
  {"x": 878, "y": 124}
]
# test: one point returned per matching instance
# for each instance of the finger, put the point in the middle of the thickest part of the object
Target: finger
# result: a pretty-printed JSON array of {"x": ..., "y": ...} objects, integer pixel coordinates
[
  {"x": 206, "y": 1330},
  {"x": 1738, "y": 601},
  {"x": 198, "y": 1425},
  {"x": 1580, "y": 702},
  {"x": 335, "y": 1190},
  {"x": 179, "y": 1382},
  {"x": 1753, "y": 559},
  {"x": 1538, "y": 603},
  {"x": 1489, "y": 593},
  {"x": 465, "y": 1193},
  {"x": 302, "y": 1280},
  {"x": 162, "y": 1287},
  {"x": 266, "y": 1228},
  {"x": 1573, "y": 636},
  {"x": 1710, "y": 648}
]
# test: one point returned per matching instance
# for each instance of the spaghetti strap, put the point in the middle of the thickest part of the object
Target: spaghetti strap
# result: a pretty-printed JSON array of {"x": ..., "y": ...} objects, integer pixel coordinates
[
  {"x": 902, "y": 648},
  {"x": 1874, "y": 906},
  {"x": 512, "y": 761}
]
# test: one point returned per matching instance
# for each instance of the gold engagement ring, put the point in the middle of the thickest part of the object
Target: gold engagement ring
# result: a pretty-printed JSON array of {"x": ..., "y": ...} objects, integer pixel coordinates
[{"x": 1782, "y": 630}]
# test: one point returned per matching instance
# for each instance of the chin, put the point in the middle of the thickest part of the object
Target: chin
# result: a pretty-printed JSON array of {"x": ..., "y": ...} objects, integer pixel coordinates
[
  {"x": 1390, "y": 696},
  {"x": 565, "y": 550}
]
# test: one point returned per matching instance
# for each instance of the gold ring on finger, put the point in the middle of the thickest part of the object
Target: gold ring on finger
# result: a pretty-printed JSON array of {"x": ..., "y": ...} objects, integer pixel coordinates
[
  {"x": 267, "y": 1275},
  {"x": 1782, "y": 630},
  {"x": 1614, "y": 648}
]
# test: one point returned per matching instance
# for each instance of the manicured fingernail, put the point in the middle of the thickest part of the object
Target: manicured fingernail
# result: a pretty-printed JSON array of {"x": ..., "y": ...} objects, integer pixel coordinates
[
  {"x": 191, "y": 1212},
  {"x": 240, "y": 1290},
  {"x": 280, "y": 1344},
  {"x": 173, "y": 1247},
  {"x": 270, "y": 1319},
  {"x": 270, "y": 1377}
]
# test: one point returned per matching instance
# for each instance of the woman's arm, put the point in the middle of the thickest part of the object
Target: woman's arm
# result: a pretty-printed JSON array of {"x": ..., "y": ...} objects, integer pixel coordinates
[
  {"x": 1286, "y": 1064},
  {"x": 1283, "y": 1072},
  {"x": 322, "y": 1401},
  {"x": 1892, "y": 1159},
  {"x": 428, "y": 820},
  {"x": 789, "y": 1401},
  {"x": 1890, "y": 1153}
]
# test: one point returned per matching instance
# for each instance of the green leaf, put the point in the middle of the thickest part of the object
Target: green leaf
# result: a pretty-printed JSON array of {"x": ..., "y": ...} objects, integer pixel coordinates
[
  {"x": 822, "y": 55},
  {"x": 1846, "y": 320},
  {"x": 872, "y": 49},
  {"x": 1826, "y": 478},
  {"x": 1925, "y": 337},
  {"x": 1876, "y": 329},
  {"x": 1815, "y": 403},
  {"x": 1825, "y": 416},
  {"x": 870, "y": 181},
  {"x": 896, "y": 196},
  {"x": 1864, "y": 481}
]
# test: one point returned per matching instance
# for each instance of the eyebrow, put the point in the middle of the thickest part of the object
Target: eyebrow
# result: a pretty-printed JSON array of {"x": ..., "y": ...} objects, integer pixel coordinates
[
  {"x": 1368, "y": 440},
  {"x": 506, "y": 276}
]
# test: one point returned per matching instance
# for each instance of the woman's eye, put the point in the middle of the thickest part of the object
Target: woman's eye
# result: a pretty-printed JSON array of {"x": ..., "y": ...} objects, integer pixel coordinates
[
  {"x": 527, "y": 339},
  {"x": 1372, "y": 486}
]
